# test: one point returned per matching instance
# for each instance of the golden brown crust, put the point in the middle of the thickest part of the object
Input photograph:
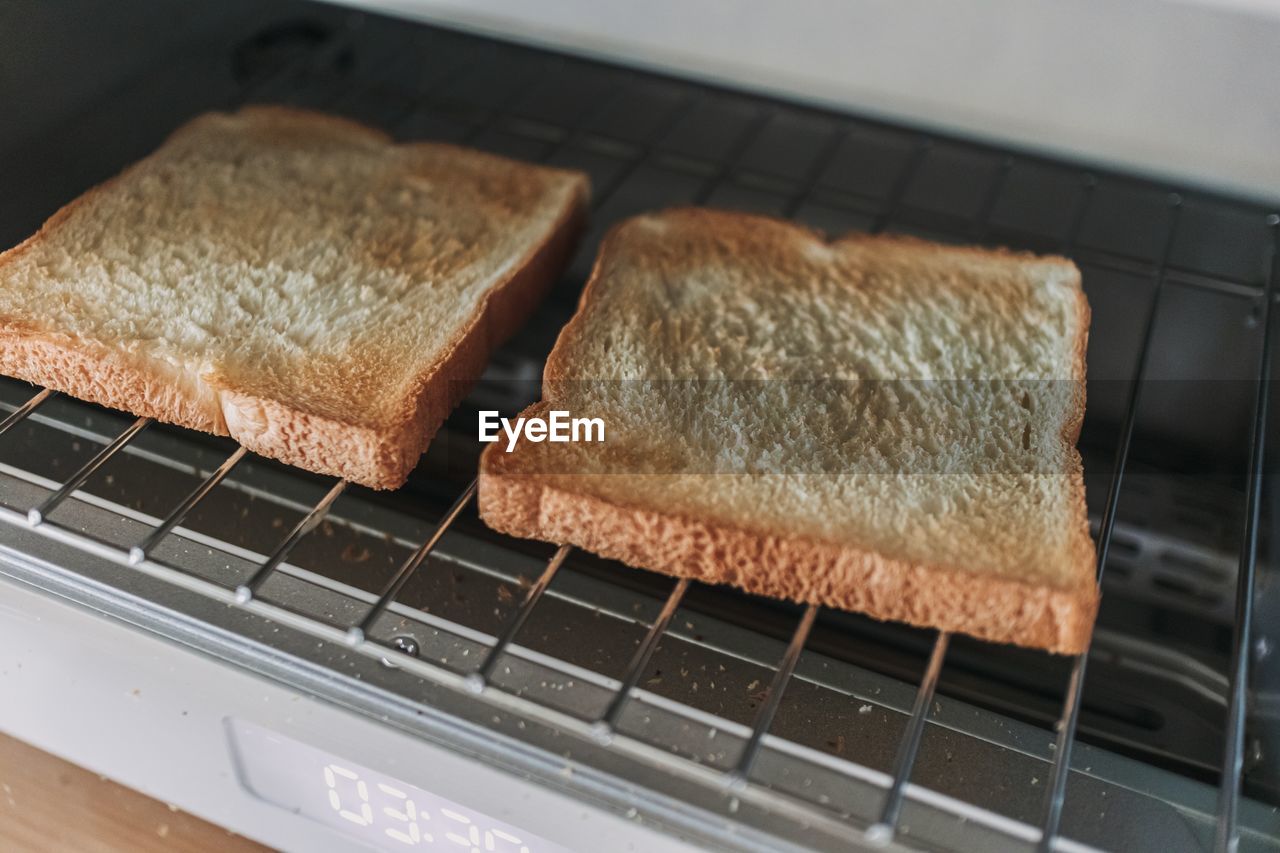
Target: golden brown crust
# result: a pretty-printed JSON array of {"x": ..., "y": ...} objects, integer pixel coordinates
[
  {"x": 289, "y": 118},
  {"x": 100, "y": 375},
  {"x": 736, "y": 225},
  {"x": 378, "y": 456},
  {"x": 987, "y": 606},
  {"x": 1084, "y": 554},
  {"x": 919, "y": 244}
]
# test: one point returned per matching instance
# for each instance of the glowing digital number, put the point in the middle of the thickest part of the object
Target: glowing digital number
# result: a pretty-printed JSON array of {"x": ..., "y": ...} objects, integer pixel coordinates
[
  {"x": 491, "y": 834},
  {"x": 412, "y": 833},
  {"x": 404, "y": 811},
  {"x": 331, "y": 774},
  {"x": 472, "y": 840}
]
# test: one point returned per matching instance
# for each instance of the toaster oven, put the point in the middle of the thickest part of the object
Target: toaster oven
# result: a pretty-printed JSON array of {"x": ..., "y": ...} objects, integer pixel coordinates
[{"x": 318, "y": 666}]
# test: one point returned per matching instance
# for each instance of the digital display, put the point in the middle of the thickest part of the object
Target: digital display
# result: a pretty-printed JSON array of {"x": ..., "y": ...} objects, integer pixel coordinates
[{"x": 382, "y": 811}]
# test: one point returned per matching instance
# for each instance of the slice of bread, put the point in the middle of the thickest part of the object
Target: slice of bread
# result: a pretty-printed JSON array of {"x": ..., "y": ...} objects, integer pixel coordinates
[
  {"x": 877, "y": 424},
  {"x": 296, "y": 281}
]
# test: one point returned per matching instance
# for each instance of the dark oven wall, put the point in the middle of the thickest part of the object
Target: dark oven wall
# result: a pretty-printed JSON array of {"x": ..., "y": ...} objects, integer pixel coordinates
[{"x": 61, "y": 58}]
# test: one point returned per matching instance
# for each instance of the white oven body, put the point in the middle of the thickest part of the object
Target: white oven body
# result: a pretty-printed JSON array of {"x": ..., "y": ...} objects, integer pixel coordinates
[{"x": 152, "y": 715}]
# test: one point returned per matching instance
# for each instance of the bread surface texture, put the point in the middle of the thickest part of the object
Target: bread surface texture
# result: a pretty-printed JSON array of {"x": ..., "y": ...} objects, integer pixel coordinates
[
  {"x": 878, "y": 424},
  {"x": 294, "y": 280}
]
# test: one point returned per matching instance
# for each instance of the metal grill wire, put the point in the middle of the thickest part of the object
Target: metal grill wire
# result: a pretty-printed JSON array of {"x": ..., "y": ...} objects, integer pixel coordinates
[
  {"x": 1227, "y": 834},
  {"x": 1227, "y": 838},
  {"x": 1055, "y": 795}
]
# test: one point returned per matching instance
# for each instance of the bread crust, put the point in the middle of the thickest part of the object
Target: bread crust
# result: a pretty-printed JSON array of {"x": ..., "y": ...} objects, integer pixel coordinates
[
  {"x": 990, "y": 607},
  {"x": 102, "y": 375},
  {"x": 379, "y": 456},
  {"x": 795, "y": 568}
]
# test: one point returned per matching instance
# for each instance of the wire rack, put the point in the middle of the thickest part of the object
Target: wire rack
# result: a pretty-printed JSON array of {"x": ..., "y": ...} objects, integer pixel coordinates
[{"x": 650, "y": 141}]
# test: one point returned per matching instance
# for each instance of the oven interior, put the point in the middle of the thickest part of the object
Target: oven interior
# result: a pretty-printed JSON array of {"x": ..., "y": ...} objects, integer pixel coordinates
[{"x": 1180, "y": 282}]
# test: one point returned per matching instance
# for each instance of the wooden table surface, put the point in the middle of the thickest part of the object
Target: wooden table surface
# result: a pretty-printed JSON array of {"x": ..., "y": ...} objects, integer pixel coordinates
[{"x": 47, "y": 804}]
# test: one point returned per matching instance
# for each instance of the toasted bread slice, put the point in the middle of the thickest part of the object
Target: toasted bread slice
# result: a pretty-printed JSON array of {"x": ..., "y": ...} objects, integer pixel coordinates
[
  {"x": 296, "y": 281},
  {"x": 878, "y": 424}
]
